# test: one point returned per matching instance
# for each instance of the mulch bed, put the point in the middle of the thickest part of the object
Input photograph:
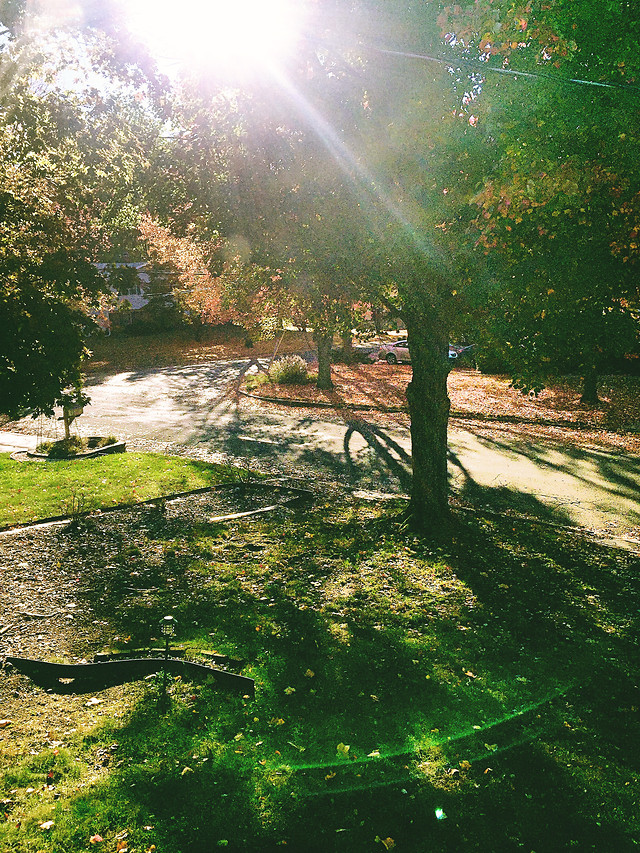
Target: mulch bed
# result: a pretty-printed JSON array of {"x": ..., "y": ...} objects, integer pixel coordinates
[{"x": 484, "y": 404}]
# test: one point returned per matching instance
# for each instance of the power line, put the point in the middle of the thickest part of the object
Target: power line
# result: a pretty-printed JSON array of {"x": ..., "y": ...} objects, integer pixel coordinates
[{"x": 483, "y": 68}]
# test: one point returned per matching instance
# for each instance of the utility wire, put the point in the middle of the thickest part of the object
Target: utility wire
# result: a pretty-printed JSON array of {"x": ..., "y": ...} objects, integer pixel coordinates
[{"x": 482, "y": 68}]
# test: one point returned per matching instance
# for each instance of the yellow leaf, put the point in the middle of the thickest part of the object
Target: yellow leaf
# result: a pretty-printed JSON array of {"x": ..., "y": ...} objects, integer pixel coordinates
[
  {"x": 330, "y": 776},
  {"x": 388, "y": 843},
  {"x": 343, "y": 750},
  {"x": 309, "y": 673}
]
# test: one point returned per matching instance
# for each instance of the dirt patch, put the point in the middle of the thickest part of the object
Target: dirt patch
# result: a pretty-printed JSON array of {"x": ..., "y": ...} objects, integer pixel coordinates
[{"x": 54, "y": 605}]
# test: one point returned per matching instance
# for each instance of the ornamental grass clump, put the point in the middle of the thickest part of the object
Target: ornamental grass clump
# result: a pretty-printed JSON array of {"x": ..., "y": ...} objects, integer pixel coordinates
[{"x": 289, "y": 370}]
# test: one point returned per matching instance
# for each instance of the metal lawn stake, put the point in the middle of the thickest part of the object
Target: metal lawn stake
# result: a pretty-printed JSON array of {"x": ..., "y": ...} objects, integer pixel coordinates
[{"x": 168, "y": 630}]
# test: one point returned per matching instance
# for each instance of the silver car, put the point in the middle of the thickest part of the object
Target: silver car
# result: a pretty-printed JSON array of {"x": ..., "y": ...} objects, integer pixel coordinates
[{"x": 398, "y": 352}]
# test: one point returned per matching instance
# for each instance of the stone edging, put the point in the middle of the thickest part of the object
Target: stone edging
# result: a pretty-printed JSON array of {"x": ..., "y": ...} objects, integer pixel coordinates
[
  {"x": 105, "y": 450},
  {"x": 320, "y": 404}
]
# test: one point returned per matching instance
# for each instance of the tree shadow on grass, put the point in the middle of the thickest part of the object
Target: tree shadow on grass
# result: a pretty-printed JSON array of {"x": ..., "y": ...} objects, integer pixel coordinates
[{"x": 495, "y": 678}]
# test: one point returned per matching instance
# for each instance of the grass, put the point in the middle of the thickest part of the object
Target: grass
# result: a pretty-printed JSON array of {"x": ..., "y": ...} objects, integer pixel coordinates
[
  {"x": 37, "y": 489},
  {"x": 480, "y": 696}
]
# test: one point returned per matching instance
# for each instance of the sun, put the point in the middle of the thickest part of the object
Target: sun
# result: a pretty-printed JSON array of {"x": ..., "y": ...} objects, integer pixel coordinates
[{"x": 236, "y": 36}]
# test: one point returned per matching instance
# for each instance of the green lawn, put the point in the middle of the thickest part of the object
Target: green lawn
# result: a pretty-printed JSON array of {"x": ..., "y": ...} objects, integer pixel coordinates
[
  {"x": 482, "y": 696},
  {"x": 41, "y": 489}
]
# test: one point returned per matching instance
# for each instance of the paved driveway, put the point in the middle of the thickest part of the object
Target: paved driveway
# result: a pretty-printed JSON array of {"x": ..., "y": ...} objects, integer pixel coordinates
[{"x": 193, "y": 407}]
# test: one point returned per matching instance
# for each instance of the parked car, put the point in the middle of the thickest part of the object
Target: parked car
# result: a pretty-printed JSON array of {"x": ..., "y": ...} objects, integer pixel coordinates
[
  {"x": 398, "y": 352},
  {"x": 462, "y": 349}
]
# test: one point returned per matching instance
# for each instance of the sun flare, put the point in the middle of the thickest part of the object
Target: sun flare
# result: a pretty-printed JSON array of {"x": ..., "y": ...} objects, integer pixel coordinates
[{"x": 229, "y": 35}]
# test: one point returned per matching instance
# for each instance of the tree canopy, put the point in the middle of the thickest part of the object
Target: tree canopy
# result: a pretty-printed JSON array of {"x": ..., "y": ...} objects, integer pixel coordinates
[
  {"x": 556, "y": 215},
  {"x": 70, "y": 156}
]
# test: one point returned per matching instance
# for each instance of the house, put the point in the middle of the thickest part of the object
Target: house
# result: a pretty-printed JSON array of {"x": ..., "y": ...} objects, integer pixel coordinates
[
  {"x": 128, "y": 281},
  {"x": 142, "y": 296}
]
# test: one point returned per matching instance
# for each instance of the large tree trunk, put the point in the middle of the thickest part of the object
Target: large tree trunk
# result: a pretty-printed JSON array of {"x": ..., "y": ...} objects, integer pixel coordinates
[
  {"x": 590, "y": 387},
  {"x": 324, "y": 340},
  {"x": 429, "y": 411}
]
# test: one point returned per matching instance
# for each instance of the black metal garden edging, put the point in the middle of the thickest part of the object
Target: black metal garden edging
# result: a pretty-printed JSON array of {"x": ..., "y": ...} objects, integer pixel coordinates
[{"x": 89, "y": 677}]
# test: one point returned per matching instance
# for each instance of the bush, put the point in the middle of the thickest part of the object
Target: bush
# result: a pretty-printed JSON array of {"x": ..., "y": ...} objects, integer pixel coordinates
[
  {"x": 61, "y": 449},
  {"x": 289, "y": 370},
  {"x": 64, "y": 448}
]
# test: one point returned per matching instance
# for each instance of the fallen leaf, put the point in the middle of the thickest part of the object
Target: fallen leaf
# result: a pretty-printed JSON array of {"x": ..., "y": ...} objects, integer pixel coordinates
[
  {"x": 186, "y": 770},
  {"x": 343, "y": 750},
  {"x": 93, "y": 701},
  {"x": 289, "y": 690},
  {"x": 330, "y": 776},
  {"x": 374, "y": 754},
  {"x": 465, "y": 765},
  {"x": 47, "y": 824},
  {"x": 96, "y": 839},
  {"x": 491, "y": 746},
  {"x": 309, "y": 673},
  {"x": 4, "y": 723},
  {"x": 470, "y": 674}
]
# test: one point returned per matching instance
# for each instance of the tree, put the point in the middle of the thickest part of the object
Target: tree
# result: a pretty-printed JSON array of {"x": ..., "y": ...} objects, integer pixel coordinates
[
  {"x": 337, "y": 178},
  {"x": 68, "y": 160},
  {"x": 558, "y": 214},
  {"x": 355, "y": 164}
]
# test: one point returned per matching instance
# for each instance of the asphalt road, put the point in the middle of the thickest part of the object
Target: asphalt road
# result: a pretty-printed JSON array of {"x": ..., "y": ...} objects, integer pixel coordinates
[{"x": 191, "y": 407}]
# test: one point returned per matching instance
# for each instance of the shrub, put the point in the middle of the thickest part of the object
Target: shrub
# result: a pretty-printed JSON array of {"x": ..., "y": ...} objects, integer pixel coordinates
[
  {"x": 256, "y": 381},
  {"x": 289, "y": 370},
  {"x": 62, "y": 448}
]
